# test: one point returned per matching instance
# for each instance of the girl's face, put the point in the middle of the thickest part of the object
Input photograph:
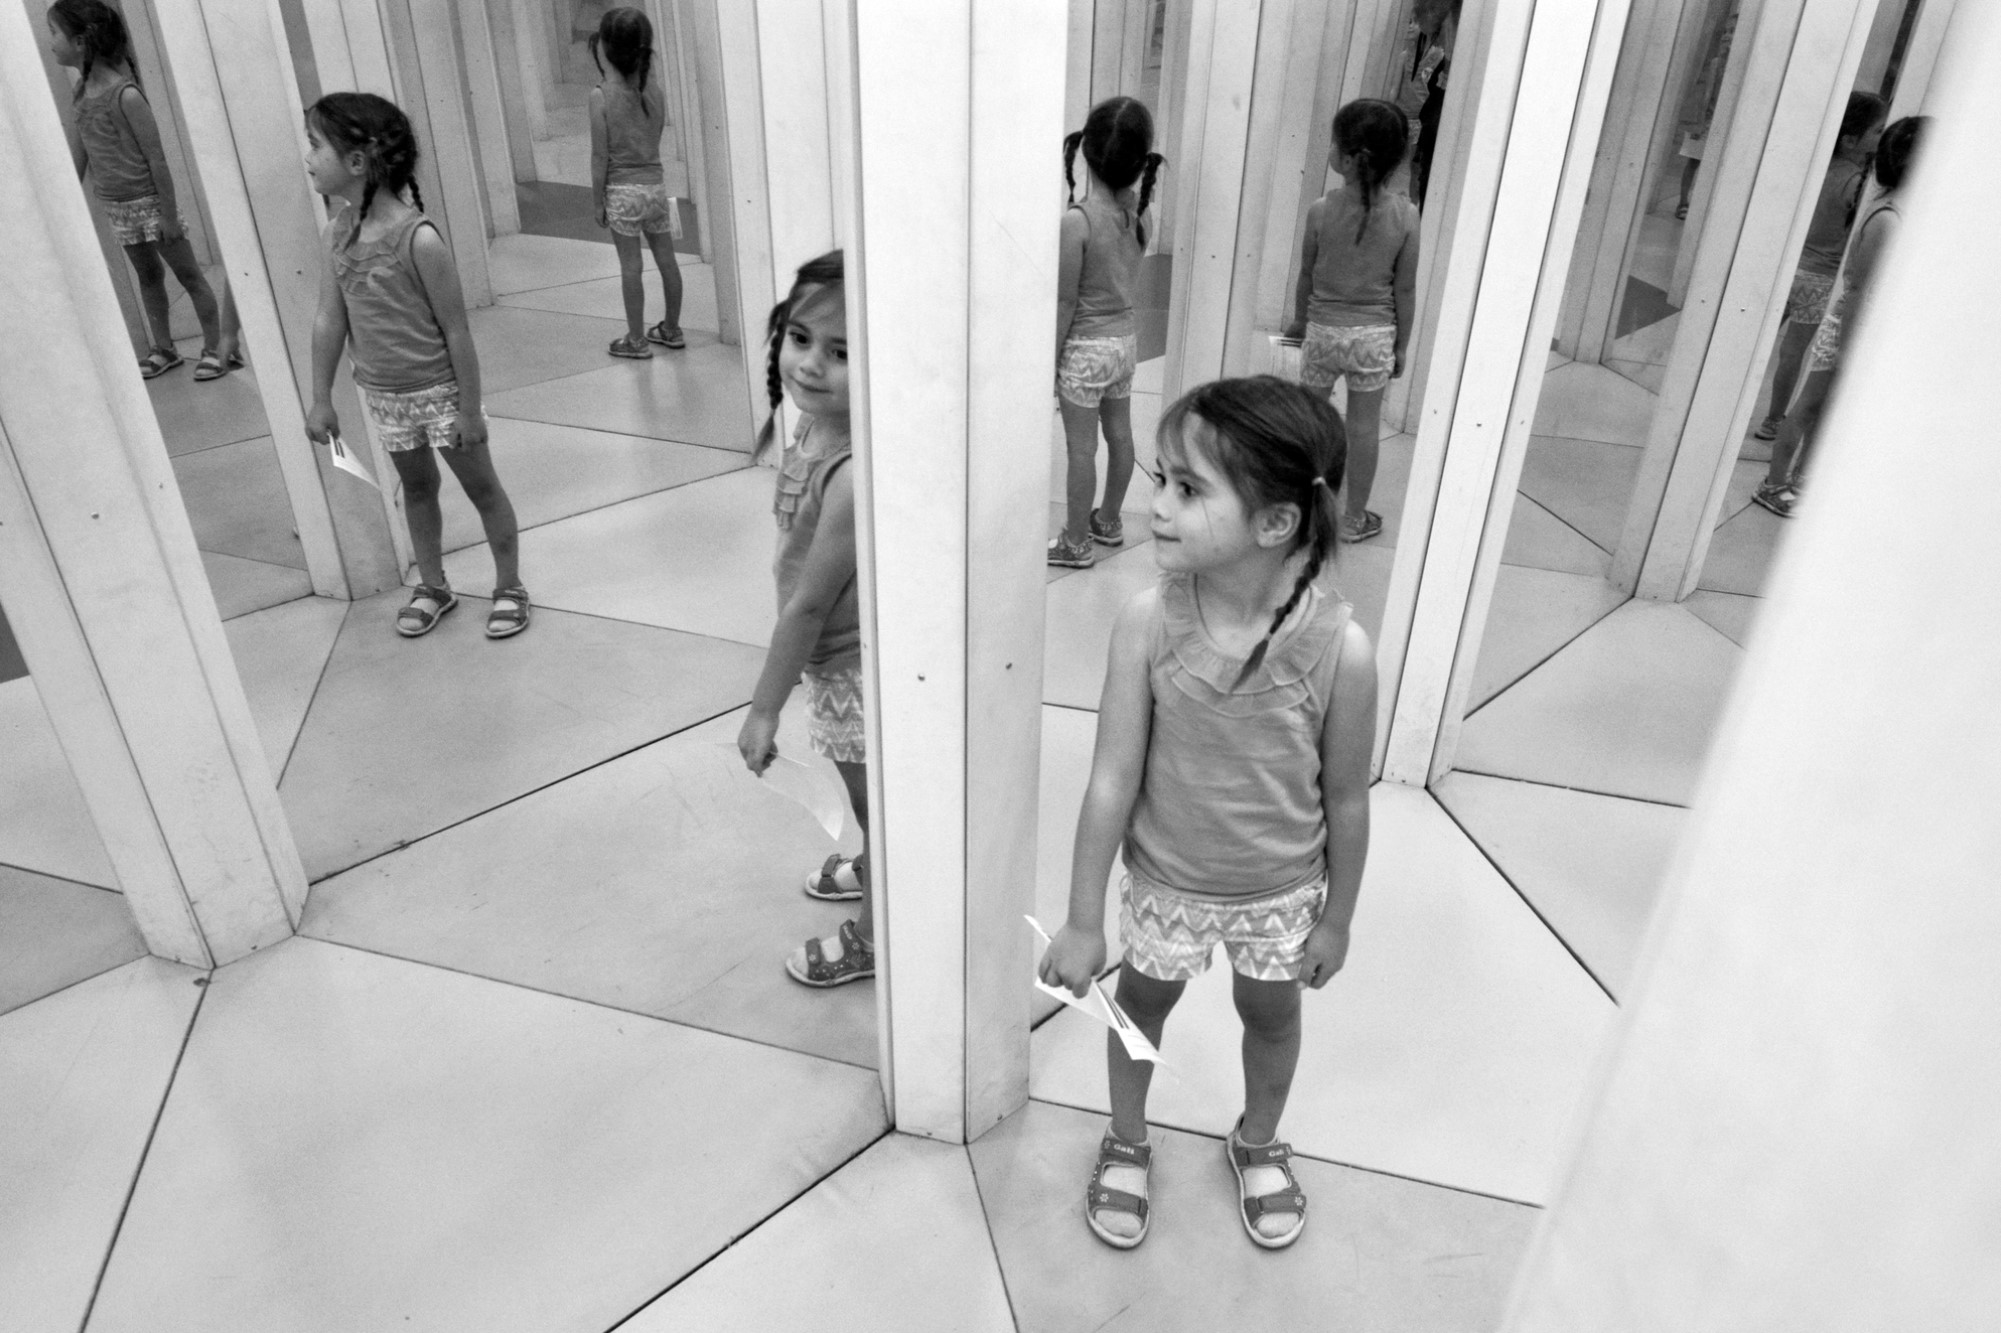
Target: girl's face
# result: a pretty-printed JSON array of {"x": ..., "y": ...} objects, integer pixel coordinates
[
  {"x": 1199, "y": 520},
  {"x": 331, "y": 171},
  {"x": 813, "y": 353},
  {"x": 62, "y": 46},
  {"x": 1866, "y": 145}
]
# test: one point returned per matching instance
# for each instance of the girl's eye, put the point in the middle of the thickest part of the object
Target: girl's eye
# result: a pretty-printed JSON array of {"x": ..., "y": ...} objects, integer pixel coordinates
[{"x": 841, "y": 355}]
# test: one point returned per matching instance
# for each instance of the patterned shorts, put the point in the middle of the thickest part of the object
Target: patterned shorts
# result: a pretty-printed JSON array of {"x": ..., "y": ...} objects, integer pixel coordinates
[
  {"x": 834, "y": 714},
  {"x": 633, "y": 209},
  {"x": 1093, "y": 369},
  {"x": 1170, "y": 936},
  {"x": 1366, "y": 355},
  {"x": 1807, "y": 302},
  {"x": 406, "y": 421},
  {"x": 136, "y": 221}
]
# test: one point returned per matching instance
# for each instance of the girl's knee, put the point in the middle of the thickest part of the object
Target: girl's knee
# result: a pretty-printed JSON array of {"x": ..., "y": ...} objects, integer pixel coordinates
[
  {"x": 1146, "y": 999},
  {"x": 1269, "y": 1008}
]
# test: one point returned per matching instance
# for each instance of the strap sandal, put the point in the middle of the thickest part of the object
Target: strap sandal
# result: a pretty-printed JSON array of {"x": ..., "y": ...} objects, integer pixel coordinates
[
  {"x": 633, "y": 349},
  {"x": 158, "y": 362},
  {"x": 211, "y": 366},
  {"x": 671, "y": 339},
  {"x": 856, "y": 963},
  {"x": 1102, "y": 1198},
  {"x": 840, "y": 879},
  {"x": 427, "y": 607},
  {"x": 1252, "y": 1207},
  {"x": 1774, "y": 500},
  {"x": 509, "y": 615},
  {"x": 1360, "y": 530},
  {"x": 1768, "y": 429}
]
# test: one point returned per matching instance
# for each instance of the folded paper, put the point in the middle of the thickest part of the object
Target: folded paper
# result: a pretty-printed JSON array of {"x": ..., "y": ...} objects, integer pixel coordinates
[{"x": 1099, "y": 1006}]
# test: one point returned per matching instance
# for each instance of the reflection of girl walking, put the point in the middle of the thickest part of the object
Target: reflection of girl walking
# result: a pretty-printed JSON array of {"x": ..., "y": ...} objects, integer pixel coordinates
[{"x": 628, "y": 115}]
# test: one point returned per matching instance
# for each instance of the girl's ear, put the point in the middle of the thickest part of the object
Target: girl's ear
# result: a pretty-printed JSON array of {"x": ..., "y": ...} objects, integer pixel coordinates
[{"x": 1277, "y": 524}]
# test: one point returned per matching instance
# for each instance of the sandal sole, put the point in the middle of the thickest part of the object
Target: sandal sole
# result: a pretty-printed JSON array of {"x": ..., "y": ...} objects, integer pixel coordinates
[
  {"x": 442, "y": 612},
  {"x": 1113, "y": 1239},
  {"x": 831, "y": 982},
  {"x": 1258, "y": 1239},
  {"x": 838, "y": 896}
]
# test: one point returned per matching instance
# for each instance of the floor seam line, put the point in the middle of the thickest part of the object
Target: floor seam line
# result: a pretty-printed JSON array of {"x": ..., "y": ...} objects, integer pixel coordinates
[
  {"x": 346, "y": 612},
  {"x": 1541, "y": 662},
  {"x": 1559, "y": 786}
]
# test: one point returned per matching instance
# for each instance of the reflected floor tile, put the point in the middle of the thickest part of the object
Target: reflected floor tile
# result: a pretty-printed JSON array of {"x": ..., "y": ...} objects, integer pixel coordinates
[
  {"x": 1649, "y": 375},
  {"x": 1079, "y": 613},
  {"x": 1068, "y": 737},
  {"x": 196, "y": 416},
  {"x": 1534, "y": 613},
  {"x": 1741, "y": 551},
  {"x": 696, "y": 396},
  {"x": 1626, "y": 709},
  {"x": 1581, "y": 401},
  {"x": 519, "y": 347},
  {"x": 86, "y": 1069},
  {"x": 54, "y": 933},
  {"x": 1379, "y": 1255},
  {"x": 670, "y": 876},
  {"x": 44, "y": 824},
  {"x": 1591, "y": 865},
  {"x": 1539, "y": 539},
  {"x": 894, "y": 1242},
  {"x": 523, "y": 262},
  {"x": 1745, "y": 478},
  {"x": 1585, "y": 483},
  {"x": 553, "y": 472},
  {"x": 241, "y": 586},
  {"x": 604, "y": 297},
  {"x": 236, "y": 502},
  {"x": 1729, "y": 613},
  {"x": 356, "y": 1142},
  {"x": 1450, "y": 1049},
  {"x": 1362, "y": 575},
  {"x": 280, "y": 653},
  {"x": 409, "y": 736},
  {"x": 696, "y": 558}
]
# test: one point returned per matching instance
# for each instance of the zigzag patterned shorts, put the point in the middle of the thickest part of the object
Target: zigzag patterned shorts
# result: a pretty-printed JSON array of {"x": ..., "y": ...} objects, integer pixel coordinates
[
  {"x": 1170, "y": 936},
  {"x": 834, "y": 715}
]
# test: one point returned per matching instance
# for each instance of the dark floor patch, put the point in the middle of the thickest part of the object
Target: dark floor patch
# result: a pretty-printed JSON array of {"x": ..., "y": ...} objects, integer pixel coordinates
[
  {"x": 1645, "y": 304},
  {"x": 550, "y": 208},
  {"x": 11, "y": 665}
]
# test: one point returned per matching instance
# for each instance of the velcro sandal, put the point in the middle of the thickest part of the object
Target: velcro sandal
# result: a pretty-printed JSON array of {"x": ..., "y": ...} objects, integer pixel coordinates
[
  {"x": 1102, "y": 1198},
  {"x": 509, "y": 615},
  {"x": 856, "y": 963},
  {"x": 840, "y": 879},
  {"x": 427, "y": 607},
  {"x": 1252, "y": 1207}
]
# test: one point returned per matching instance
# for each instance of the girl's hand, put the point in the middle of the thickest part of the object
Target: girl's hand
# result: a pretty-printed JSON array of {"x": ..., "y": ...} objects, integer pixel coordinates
[
  {"x": 1073, "y": 960},
  {"x": 1397, "y": 373},
  {"x": 604, "y": 215},
  {"x": 758, "y": 741},
  {"x": 321, "y": 423},
  {"x": 1326, "y": 950},
  {"x": 470, "y": 428},
  {"x": 172, "y": 228}
]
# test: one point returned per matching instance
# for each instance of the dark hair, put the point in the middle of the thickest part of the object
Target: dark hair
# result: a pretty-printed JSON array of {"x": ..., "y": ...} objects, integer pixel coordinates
[
  {"x": 1117, "y": 140},
  {"x": 1897, "y": 149},
  {"x": 1276, "y": 443},
  {"x": 1865, "y": 112},
  {"x": 100, "y": 31},
  {"x": 625, "y": 36},
  {"x": 1376, "y": 135},
  {"x": 825, "y": 271},
  {"x": 376, "y": 128}
]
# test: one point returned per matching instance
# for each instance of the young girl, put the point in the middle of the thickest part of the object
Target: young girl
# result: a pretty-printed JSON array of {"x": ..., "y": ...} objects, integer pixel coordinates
[
  {"x": 1102, "y": 241},
  {"x": 1233, "y": 750},
  {"x": 119, "y": 143},
  {"x": 819, "y": 616},
  {"x": 1895, "y": 153},
  {"x": 388, "y": 291},
  {"x": 628, "y": 114},
  {"x": 1358, "y": 288}
]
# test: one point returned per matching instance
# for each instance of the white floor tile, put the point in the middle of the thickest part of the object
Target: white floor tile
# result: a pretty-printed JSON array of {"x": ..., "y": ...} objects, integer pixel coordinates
[
  {"x": 86, "y": 1069},
  {"x": 197, "y": 416},
  {"x": 600, "y": 297},
  {"x": 1379, "y": 1254},
  {"x": 522, "y": 262},
  {"x": 695, "y": 396},
  {"x": 241, "y": 586},
  {"x": 44, "y": 824},
  {"x": 236, "y": 502},
  {"x": 54, "y": 933},
  {"x": 1626, "y": 709},
  {"x": 1591, "y": 865},
  {"x": 1587, "y": 484},
  {"x": 1745, "y": 477},
  {"x": 1581, "y": 401},
  {"x": 913, "y": 1256},
  {"x": 1729, "y": 613},
  {"x": 1534, "y": 613},
  {"x": 280, "y": 653},
  {"x": 1080, "y": 611},
  {"x": 357, "y": 1142},
  {"x": 1450, "y": 1049},
  {"x": 1741, "y": 551},
  {"x": 1539, "y": 539},
  {"x": 696, "y": 558},
  {"x": 519, "y": 346}
]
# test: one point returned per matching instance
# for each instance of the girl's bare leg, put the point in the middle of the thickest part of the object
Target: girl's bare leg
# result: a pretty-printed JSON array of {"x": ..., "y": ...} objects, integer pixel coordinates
[
  {"x": 1147, "y": 1002},
  {"x": 1080, "y": 436},
  {"x": 1365, "y": 431},
  {"x": 1786, "y": 372},
  {"x": 418, "y": 471},
  {"x": 855, "y": 778},
  {"x": 152, "y": 275},
  {"x": 1270, "y": 1010},
  {"x": 1116, "y": 414},
  {"x": 1795, "y": 436},
  {"x": 662, "y": 245},
  {"x": 180, "y": 256},
  {"x": 631, "y": 284},
  {"x": 472, "y": 464}
]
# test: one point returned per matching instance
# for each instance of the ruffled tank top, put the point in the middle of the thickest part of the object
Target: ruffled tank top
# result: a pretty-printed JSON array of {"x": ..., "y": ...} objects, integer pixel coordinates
[
  {"x": 803, "y": 473},
  {"x": 118, "y": 166},
  {"x": 394, "y": 336},
  {"x": 1231, "y": 803}
]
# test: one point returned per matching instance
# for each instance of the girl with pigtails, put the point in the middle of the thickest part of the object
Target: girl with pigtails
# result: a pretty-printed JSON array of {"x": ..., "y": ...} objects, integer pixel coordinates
[
  {"x": 1357, "y": 291},
  {"x": 628, "y": 115},
  {"x": 1102, "y": 239},
  {"x": 389, "y": 294},
  {"x": 1232, "y": 768}
]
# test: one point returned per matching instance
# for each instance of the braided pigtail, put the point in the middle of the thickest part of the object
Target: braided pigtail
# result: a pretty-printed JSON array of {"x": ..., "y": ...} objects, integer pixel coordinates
[
  {"x": 1070, "y": 143},
  {"x": 1375, "y": 135},
  {"x": 774, "y": 334},
  {"x": 367, "y": 194},
  {"x": 591, "y": 45},
  {"x": 1316, "y": 521},
  {"x": 416, "y": 195},
  {"x": 1154, "y": 162},
  {"x": 645, "y": 73}
]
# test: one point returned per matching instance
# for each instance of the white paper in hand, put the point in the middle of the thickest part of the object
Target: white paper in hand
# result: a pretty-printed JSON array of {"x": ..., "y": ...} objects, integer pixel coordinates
[
  {"x": 812, "y": 788},
  {"x": 1099, "y": 1006},
  {"x": 347, "y": 462}
]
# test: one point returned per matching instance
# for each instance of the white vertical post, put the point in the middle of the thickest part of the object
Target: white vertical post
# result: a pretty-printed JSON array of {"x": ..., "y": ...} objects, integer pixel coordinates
[
  {"x": 727, "y": 131},
  {"x": 727, "y": 33},
  {"x": 954, "y": 299},
  {"x": 1794, "y": 1125},
  {"x": 531, "y": 47},
  {"x": 104, "y": 588},
  {"x": 489, "y": 117},
  {"x": 515, "y": 91}
]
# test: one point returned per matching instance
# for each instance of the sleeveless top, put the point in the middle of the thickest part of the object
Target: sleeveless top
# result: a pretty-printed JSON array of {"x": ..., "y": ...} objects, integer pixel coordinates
[
  {"x": 394, "y": 336},
  {"x": 118, "y": 167},
  {"x": 1111, "y": 265},
  {"x": 1231, "y": 803},
  {"x": 803, "y": 474},
  {"x": 632, "y": 134},
  {"x": 1837, "y": 300},
  {"x": 1357, "y": 284},
  {"x": 1827, "y": 232}
]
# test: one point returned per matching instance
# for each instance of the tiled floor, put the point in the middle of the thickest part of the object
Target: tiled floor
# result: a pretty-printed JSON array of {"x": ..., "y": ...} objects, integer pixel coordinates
[{"x": 531, "y": 1064}]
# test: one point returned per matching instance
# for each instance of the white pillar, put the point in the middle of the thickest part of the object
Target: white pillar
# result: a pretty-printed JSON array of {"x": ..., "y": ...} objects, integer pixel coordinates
[
  {"x": 103, "y": 585},
  {"x": 1794, "y": 1126},
  {"x": 486, "y": 95},
  {"x": 953, "y": 305}
]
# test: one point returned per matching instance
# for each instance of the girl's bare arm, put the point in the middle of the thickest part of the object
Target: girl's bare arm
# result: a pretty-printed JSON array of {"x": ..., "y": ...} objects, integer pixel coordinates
[
  {"x": 329, "y": 340},
  {"x": 829, "y": 569},
  {"x": 132, "y": 105},
  {"x": 600, "y": 152},
  {"x": 1309, "y": 255},
  {"x": 448, "y": 304},
  {"x": 1404, "y": 288},
  {"x": 1347, "y": 749},
  {"x": 1069, "y": 270}
]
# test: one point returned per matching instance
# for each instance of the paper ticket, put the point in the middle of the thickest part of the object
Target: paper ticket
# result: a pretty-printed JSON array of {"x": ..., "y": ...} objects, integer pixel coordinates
[{"x": 1099, "y": 1006}]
